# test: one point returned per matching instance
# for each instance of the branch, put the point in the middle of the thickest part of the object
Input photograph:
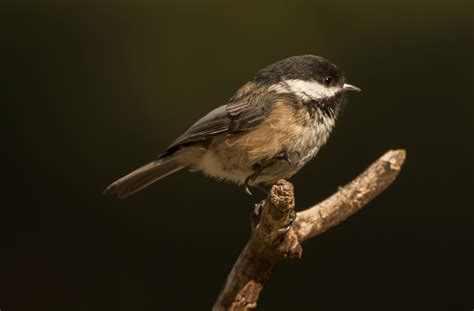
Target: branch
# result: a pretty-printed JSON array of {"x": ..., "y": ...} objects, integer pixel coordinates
[{"x": 277, "y": 235}]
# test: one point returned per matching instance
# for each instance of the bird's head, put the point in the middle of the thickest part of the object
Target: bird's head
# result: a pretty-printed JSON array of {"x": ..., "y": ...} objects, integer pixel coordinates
[{"x": 312, "y": 79}]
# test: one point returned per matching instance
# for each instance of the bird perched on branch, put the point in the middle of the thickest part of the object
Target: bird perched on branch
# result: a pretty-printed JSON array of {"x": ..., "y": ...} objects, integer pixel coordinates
[{"x": 269, "y": 129}]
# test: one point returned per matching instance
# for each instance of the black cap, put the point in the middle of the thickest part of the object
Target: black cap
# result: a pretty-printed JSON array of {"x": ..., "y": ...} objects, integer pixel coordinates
[{"x": 304, "y": 67}]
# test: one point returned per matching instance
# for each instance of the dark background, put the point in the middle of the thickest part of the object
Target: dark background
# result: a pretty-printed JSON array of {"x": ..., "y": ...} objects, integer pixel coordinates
[{"x": 91, "y": 90}]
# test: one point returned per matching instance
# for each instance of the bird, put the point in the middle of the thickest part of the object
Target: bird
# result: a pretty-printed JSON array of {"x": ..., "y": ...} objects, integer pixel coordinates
[{"x": 268, "y": 130}]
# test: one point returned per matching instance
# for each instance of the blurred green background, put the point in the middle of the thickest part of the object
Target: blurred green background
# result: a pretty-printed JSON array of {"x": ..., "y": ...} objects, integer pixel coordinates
[{"x": 93, "y": 89}]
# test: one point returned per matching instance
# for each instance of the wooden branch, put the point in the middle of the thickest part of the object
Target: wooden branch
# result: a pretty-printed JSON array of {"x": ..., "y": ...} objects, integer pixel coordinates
[{"x": 276, "y": 235}]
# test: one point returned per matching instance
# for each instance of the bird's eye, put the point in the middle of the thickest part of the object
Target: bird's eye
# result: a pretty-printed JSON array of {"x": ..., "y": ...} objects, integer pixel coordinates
[{"x": 327, "y": 81}]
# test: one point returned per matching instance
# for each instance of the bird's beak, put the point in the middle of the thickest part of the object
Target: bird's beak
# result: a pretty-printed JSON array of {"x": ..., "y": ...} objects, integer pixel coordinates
[{"x": 349, "y": 87}]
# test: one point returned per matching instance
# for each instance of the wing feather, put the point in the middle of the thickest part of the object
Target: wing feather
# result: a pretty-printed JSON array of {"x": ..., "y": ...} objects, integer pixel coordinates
[{"x": 245, "y": 110}]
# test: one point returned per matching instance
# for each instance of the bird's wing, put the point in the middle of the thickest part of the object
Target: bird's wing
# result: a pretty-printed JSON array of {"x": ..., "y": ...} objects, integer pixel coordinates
[{"x": 245, "y": 110}]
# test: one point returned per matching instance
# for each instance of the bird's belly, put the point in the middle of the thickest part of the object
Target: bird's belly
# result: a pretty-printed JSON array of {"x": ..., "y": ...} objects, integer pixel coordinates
[
  {"x": 236, "y": 157},
  {"x": 212, "y": 164}
]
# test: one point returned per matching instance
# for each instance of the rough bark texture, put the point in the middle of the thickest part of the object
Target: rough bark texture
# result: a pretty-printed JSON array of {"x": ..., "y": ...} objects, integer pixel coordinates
[{"x": 276, "y": 235}]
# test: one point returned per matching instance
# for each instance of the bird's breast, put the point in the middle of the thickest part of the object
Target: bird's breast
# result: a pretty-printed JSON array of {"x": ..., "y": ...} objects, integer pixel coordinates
[
  {"x": 234, "y": 156},
  {"x": 313, "y": 134}
]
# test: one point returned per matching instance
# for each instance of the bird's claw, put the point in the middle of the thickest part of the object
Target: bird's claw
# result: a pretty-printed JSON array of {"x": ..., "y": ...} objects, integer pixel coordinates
[
  {"x": 247, "y": 190},
  {"x": 291, "y": 219}
]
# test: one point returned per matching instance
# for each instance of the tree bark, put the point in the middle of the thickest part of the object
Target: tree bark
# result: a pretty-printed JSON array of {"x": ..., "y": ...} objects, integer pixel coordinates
[{"x": 277, "y": 234}]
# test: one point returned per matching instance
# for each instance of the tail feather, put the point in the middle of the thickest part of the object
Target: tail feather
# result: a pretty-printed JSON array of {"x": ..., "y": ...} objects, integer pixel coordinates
[{"x": 142, "y": 177}]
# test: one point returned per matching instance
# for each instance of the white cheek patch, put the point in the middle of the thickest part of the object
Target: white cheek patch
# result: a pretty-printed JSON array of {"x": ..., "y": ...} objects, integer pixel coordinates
[{"x": 308, "y": 90}]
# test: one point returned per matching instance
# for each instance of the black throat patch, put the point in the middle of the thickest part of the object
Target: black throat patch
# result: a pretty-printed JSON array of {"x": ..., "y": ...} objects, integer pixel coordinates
[{"x": 326, "y": 107}]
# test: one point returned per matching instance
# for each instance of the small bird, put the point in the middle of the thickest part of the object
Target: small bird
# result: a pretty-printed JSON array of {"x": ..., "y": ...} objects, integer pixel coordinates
[{"x": 269, "y": 129}]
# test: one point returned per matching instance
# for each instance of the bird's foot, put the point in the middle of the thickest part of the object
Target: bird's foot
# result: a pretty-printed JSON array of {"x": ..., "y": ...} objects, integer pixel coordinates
[
  {"x": 247, "y": 190},
  {"x": 291, "y": 219},
  {"x": 288, "y": 157},
  {"x": 257, "y": 170},
  {"x": 247, "y": 184},
  {"x": 284, "y": 156},
  {"x": 256, "y": 186}
]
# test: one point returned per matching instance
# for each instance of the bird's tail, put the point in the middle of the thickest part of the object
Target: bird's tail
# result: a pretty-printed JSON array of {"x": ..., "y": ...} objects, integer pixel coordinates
[{"x": 143, "y": 177}]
